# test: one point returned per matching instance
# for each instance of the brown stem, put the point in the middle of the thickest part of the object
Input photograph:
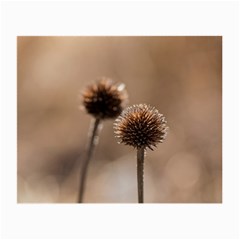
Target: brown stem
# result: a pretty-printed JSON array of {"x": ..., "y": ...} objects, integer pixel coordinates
[
  {"x": 140, "y": 172},
  {"x": 94, "y": 133}
]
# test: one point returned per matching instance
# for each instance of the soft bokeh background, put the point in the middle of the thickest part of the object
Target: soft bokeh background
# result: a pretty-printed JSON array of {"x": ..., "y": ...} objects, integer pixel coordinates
[{"x": 180, "y": 76}]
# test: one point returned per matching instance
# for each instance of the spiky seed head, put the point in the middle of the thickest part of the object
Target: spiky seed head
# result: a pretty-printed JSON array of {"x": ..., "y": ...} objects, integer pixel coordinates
[
  {"x": 141, "y": 126},
  {"x": 104, "y": 99}
]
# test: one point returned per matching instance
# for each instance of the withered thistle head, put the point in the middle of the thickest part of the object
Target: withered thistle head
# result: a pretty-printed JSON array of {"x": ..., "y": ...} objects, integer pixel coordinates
[
  {"x": 104, "y": 99},
  {"x": 141, "y": 126}
]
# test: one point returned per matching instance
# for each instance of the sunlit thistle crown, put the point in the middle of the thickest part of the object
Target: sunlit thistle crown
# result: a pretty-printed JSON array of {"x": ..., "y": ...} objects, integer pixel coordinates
[{"x": 141, "y": 126}]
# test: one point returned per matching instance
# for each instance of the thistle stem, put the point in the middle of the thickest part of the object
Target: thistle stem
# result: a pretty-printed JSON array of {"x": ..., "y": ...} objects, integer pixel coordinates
[
  {"x": 140, "y": 172},
  {"x": 94, "y": 133}
]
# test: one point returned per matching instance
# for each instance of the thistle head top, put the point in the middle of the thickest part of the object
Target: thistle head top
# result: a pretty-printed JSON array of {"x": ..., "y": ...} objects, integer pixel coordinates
[
  {"x": 104, "y": 99},
  {"x": 141, "y": 126}
]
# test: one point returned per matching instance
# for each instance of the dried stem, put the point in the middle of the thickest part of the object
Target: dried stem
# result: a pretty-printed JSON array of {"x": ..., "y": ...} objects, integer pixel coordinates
[
  {"x": 94, "y": 133},
  {"x": 140, "y": 172}
]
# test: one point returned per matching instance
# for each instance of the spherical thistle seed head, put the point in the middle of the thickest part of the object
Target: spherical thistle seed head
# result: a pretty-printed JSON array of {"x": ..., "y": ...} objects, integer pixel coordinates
[
  {"x": 104, "y": 99},
  {"x": 141, "y": 126}
]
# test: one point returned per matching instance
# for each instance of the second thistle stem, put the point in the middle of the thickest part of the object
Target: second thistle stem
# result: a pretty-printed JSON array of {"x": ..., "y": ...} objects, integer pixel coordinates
[
  {"x": 140, "y": 173},
  {"x": 94, "y": 132}
]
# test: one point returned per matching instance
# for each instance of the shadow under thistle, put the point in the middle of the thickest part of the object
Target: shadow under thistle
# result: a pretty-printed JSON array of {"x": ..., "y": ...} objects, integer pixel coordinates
[
  {"x": 142, "y": 127},
  {"x": 103, "y": 100}
]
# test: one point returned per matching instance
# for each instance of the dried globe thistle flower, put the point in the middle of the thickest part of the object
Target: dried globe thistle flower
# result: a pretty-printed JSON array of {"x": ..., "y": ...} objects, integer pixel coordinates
[
  {"x": 103, "y": 100},
  {"x": 141, "y": 126}
]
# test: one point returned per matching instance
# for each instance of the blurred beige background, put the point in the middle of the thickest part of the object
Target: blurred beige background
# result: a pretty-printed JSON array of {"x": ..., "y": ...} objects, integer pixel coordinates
[{"x": 180, "y": 76}]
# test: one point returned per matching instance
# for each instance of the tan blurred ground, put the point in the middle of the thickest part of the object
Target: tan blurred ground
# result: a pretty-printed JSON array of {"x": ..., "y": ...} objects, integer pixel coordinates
[{"x": 180, "y": 76}]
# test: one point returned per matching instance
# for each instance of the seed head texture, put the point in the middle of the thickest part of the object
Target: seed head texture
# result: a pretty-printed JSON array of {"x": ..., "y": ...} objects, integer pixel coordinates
[
  {"x": 141, "y": 126},
  {"x": 104, "y": 99}
]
